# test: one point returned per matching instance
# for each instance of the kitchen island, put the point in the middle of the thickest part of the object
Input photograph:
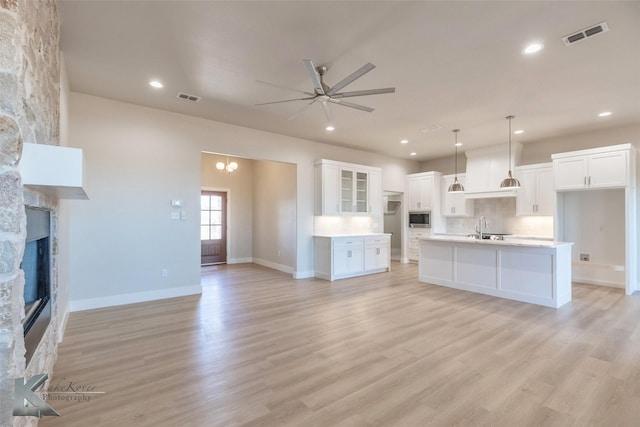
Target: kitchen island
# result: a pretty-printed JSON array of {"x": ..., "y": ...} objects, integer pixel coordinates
[{"x": 528, "y": 270}]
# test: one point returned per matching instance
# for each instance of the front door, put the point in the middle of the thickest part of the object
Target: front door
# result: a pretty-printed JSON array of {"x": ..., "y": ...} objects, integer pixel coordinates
[{"x": 213, "y": 227}]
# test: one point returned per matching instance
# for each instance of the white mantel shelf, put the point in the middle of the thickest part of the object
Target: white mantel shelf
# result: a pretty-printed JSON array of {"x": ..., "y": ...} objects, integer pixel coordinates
[{"x": 532, "y": 271}]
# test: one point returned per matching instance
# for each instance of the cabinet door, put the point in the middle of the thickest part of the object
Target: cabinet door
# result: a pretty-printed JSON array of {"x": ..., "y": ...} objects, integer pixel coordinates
[
  {"x": 455, "y": 204},
  {"x": 327, "y": 200},
  {"x": 608, "y": 170},
  {"x": 375, "y": 193},
  {"x": 346, "y": 190},
  {"x": 415, "y": 194},
  {"x": 348, "y": 256},
  {"x": 526, "y": 199},
  {"x": 570, "y": 173},
  {"x": 427, "y": 192},
  {"x": 362, "y": 192},
  {"x": 546, "y": 195}
]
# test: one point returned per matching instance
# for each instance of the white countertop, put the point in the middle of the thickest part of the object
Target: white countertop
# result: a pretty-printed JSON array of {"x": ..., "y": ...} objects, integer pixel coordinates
[
  {"x": 508, "y": 241},
  {"x": 352, "y": 235}
]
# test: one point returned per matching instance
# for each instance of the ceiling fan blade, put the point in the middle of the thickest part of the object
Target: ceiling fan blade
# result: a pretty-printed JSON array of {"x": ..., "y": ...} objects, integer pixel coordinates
[
  {"x": 351, "y": 77},
  {"x": 314, "y": 76},
  {"x": 300, "y": 111},
  {"x": 284, "y": 87},
  {"x": 364, "y": 92},
  {"x": 352, "y": 105},
  {"x": 327, "y": 110},
  {"x": 285, "y": 100}
]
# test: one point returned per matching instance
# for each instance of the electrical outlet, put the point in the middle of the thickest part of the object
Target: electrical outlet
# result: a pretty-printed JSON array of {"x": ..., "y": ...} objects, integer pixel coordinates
[
  {"x": 164, "y": 272},
  {"x": 585, "y": 257}
]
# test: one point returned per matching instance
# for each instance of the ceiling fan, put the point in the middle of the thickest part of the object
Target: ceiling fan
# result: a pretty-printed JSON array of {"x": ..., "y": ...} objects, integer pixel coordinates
[{"x": 324, "y": 94}]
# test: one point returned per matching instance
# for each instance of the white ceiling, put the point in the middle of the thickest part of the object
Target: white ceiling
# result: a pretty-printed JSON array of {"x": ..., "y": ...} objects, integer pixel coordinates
[{"x": 453, "y": 64}]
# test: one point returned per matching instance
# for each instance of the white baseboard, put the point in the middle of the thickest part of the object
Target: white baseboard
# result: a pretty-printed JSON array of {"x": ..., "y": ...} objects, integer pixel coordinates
[
  {"x": 62, "y": 326},
  {"x": 239, "y": 260},
  {"x": 304, "y": 274},
  {"x": 274, "y": 265},
  {"x": 598, "y": 282},
  {"x": 115, "y": 300}
]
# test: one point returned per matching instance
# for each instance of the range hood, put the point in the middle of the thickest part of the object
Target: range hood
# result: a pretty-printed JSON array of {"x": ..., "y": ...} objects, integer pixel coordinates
[
  {"x": 53, "y": 170},
  {"x": 486, "y": 168}
]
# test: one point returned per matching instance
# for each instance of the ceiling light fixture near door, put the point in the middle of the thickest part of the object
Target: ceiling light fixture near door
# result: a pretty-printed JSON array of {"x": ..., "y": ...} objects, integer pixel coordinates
[
  {"x": 456, "y": 187},
  {"x": 228, "y": 167},
  {"x": 532, "y": 48},
  {"x": 510, "y": 181}
]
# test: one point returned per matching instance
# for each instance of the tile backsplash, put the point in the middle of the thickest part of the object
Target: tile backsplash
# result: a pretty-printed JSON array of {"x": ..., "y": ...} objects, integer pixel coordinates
[{"x": 501, "y": 218}]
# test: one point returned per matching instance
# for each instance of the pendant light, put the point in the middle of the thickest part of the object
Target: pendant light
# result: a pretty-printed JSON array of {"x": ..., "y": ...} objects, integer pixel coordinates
[
  {"x": 456, "y": 187},
  {"x": 228, "y": 167},
  {"x": 510, "y": 181}
]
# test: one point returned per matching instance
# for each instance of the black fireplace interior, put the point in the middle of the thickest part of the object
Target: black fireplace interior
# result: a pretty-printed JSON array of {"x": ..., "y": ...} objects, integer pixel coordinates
[{"x": 37, "y": 286}]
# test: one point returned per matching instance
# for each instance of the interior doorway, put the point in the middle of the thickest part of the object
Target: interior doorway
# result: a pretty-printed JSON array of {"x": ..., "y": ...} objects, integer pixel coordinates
[
  {"x": 392, "y": 205},
  {"x": 213, "y": 227}
]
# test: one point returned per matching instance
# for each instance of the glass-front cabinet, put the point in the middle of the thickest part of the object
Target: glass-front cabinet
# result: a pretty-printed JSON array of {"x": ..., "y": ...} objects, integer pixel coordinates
[
  {"x": 354, "y": 191},
  {"x": 346, "y": 189}
]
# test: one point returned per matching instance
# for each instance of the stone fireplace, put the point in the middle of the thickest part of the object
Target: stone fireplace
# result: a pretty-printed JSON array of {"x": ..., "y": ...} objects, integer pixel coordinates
[{"x": 29, "y": 113}]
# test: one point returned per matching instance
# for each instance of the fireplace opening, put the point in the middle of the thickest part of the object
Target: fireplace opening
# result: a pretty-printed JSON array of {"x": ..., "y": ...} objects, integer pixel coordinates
[{"x": 37, "y": 279}]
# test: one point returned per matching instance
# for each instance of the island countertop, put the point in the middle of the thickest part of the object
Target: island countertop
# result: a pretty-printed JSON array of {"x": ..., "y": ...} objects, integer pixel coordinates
[{"x": 508, "y": 241}]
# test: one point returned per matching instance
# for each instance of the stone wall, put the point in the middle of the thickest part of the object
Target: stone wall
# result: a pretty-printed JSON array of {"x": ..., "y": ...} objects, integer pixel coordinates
[{"x": 29, "y": 112}]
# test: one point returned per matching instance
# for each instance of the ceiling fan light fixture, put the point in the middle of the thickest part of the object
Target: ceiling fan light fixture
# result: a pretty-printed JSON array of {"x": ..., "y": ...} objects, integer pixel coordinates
[
  {"x": 510, "y": 181},
  {"x": 456, "y": 187}
]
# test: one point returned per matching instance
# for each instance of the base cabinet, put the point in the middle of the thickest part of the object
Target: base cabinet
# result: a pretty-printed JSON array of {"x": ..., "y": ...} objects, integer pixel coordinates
[
  {"x": 342, "y": 257},
  {"x": 537, "y": 275}
]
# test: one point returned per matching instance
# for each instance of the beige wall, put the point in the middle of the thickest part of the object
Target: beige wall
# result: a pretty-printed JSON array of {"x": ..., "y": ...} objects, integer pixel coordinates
[
  {"x": 274, "y": 215},
  {"x": 139, "y": 159},
  {"x": 239, "y": 186}
]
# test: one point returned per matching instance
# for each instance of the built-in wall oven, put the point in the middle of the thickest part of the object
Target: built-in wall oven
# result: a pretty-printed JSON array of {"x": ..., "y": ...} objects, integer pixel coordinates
[{"x": 420, "y": 219}]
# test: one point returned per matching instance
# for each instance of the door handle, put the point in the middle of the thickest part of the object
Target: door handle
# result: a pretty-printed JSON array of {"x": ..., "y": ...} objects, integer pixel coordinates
[{"x": 589, "y": 181}]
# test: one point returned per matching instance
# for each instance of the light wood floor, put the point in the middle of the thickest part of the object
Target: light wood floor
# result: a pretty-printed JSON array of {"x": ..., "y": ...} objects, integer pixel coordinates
[{"x": 261, "y": 349}]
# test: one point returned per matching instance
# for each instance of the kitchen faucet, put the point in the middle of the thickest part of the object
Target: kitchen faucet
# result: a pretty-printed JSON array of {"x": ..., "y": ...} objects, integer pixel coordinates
[{"x": 480, "y": 229}]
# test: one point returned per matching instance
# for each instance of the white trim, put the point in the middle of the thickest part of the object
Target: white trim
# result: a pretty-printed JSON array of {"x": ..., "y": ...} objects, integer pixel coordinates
[
  {"x": 132, "y": 298},
  {"x": 62, "y": 325},
  {"x": 239, "y": 260},
  {"x": 608, "y": 283},
  {"x": 274, "y": 265},
  {"x": 303, "y": 274}
]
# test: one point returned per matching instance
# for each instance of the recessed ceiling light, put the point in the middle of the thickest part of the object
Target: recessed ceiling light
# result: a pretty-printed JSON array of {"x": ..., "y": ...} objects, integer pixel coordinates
[
  {"x": 604, "y": 114},
  {"x": 404, "y": 141},
  {"x": 518, "y": 132},
  {"x": 532, "y": 48},
  {"x": 330, "y": 128},
  {"x": 412, "y": 153},
  {"x": 156, "y": 84},
  {"x": 458, "y": 144}
]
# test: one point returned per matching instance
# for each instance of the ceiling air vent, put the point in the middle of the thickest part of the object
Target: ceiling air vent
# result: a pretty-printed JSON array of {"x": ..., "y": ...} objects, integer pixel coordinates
[
  {"x": 585, "y": 33},
  {"x": 188, "y": 97}
]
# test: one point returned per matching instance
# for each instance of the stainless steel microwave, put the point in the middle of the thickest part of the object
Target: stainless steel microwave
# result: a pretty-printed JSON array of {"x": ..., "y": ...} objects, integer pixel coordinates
[{"x": 420, "y": 219}]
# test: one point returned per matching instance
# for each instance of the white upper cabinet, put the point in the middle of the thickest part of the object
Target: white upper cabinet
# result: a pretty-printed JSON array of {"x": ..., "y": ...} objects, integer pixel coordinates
[
  {"x": 347, "y": 189},
  {"x": 536, "y": 195},
  {"x": 455, "y": 204},
  {"x": 421, "y": 191},
  {"x": 606, "y": 167}
]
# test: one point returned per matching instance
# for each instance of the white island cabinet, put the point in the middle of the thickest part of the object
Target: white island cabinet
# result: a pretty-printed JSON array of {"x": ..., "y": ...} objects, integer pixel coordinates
[
  {"x": 339, "y": 257},
  {"x": 533, "y": 271}
]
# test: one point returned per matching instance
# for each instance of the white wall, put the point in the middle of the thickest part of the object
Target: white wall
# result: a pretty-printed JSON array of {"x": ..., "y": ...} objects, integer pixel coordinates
[
  {"x": 274, "y": 215},
  {"x": 138, "y": 160},
  {"x": 239, "y": 202}
]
